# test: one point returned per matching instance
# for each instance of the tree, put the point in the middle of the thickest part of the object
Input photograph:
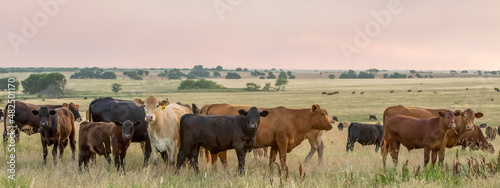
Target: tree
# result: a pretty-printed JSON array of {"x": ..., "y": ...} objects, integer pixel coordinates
[
  {"x": 3, "y": 70},
  {"x": 116, "y": 87},
  {"x": 453, "y": 72},
  {"x": 217, "y": 74},
  {"x": 267, "y": 87},
  {"x": 140, "y": 72},
  {"x": 146, "y": 72},
  {"x": 174, "y": 74},
  {"x": 245, "y": 69},
  {"x": 413, "y": 72},
  {"x": 219, "y": 68},
  {"x": 281, "y": 82},
  {"x": 331, "y": 76},
  {"x": 4, "y": 84},
  {"x": 199, "y": 84},
  {"x": 270, "y": 75},
  {"x": 251, "y": 86},
  {"x": 231, "y": 75},
  {"x": 45, "y": 83},
  {"x": 365, "y": 75},
  {"x": 282, "y": 75},
  {"x": 108, "y": 75},
  {"x": 93, "y": 73},
  {"x": 132, "y": 75},
  {"x": 239, "y": 69},
  {"x": 348, "y": 75},
  {"x": 373, "y": 71},
  {"x": 479, "y": 72},
  {"x": 418, "y": 75}
]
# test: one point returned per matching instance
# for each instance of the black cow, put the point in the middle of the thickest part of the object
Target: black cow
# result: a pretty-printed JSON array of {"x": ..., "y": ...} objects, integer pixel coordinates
[
  {"x": 1, "y": 115},
  {"x": 335, "y": 118},
  {"x": 365, "y": 134},
  {"x": 218, "y": 133},
  {"x": 373, "y": 117},
  {"x": 498, "y": 90},
  {"x": 111, "y": 110},
  {"x": 483, "y": 125}
]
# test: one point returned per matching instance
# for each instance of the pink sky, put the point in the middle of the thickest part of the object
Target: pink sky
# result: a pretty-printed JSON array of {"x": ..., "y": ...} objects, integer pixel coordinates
[{"x": 256, "y": 34}]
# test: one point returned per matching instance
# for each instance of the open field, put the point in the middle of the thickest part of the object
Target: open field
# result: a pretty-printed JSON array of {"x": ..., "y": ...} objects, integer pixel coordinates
[{"x": 363, "y": 163}]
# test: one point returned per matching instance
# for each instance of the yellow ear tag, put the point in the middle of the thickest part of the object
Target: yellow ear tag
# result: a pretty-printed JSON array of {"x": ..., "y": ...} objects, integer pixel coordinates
[{"x": 163, "y": 107}]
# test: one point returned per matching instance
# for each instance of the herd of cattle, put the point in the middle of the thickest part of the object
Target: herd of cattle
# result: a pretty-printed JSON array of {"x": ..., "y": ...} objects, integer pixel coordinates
[{"x": 178, "y": 132}]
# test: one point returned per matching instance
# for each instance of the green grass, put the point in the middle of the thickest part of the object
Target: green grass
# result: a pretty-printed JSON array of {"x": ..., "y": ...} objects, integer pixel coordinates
[{"x": 364, "y": 164}]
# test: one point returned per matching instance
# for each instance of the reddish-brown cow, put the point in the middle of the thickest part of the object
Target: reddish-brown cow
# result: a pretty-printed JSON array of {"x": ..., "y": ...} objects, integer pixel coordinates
[{"x": 475, "y": 140}]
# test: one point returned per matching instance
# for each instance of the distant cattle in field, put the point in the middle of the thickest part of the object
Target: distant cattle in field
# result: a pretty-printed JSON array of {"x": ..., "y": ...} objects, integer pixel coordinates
[
  {"x": 98, "y": 137},
  {"x": 409, "y": 90},
  {"x": 491, "y": 133},
  {"x": 415, "y": 133},
  {"x": 475, "y": 140},
  {"x": 336, "y": 92},
  {"x": 163, "y": 126},
  {"x": 362, "y": 92},
  {"x": 43, "y": 99},
  {"x": 373, "y": 117},
  {"x": 85, "y": 98},
  {"x": 218, "y": 133},
  {"x": 466, "y": 89},
  {"x": 335, "y": 118},
  {"x": 419, "y": 91},
  {"x": 323, "y": 93},
  {"x": 343, "y": 125},
  {"x": 329, "y": 94},
  {"x": 56, "y": 127},
  {"x": 483, "y": 125},
  {"x": 353, "y": 92},
  {"x": 392, "y": 91},
  {"x": 1, "y": 100},
  {"x": 497, "y": 89},
  {"x": 1, "y": 115},
  {"x": 25, "y": 98},
  {"x": 365, "y": 134},
  {"x": 111, "y": 110}
]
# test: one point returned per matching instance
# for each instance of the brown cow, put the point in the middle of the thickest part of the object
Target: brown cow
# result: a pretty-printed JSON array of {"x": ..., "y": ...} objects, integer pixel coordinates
[
  {"x": 56, "y": 126},
  {"x": 464, "y": 122},
  {"x": 475, "y": 140},
  {"x": 296, "y": 125},
  {"x": 415, "y": 133},
  {"x": 491, "y": 133},
  {"x": 97, "y": 137}
]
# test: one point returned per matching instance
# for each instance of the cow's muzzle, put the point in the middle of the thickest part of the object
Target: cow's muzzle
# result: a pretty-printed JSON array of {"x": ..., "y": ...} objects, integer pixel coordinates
[
  {"x": 127, "y": 136},
  {"x": 150, "y": 118},
  {"x": 452, "y": 125},
  {"x": 469, "y": 127},
  {"x": 79, "y": 119}
]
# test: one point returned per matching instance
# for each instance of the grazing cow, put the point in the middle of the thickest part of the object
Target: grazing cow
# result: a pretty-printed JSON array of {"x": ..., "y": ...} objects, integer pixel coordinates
[
  {"x": 323, "y": 93},
  {"x": 28, "y": 123},
  {"x": 483, "y": 125},
  {"x": 97, "y": 137},
  {"x": 218, "y": 133},
  {"x": 491, "y": 133},
  {"x": 475, "y": 140},
  {"x": 56, "y": 126},
  {"x": 343, "y": 125},
  {"x": 163, "y": 126},
  {"x": 466, "y": 89},
  {"x": 496, "y": 89},
  {"x": 288, "y": 127},
  {"x": 335, "y": 118},
  {"x": 25, "y": 99},
  {"x": 373, "y": 117},
  {"x": 353, "y": 92},
  {"x": 329, "y": 93},
  {"x": 365, "y": 134},
  {"x": 336, "y": 92},
  {"x": 85, "y": 98},
  {"x": 111, "y": 110},
  {"x": 409, "y": 90},
  {"x": 392, "y": 91},
  {"x": 464, "y": 123},
  {"x": 419, "y": 91},
  {"x": 362, "y": 92},
  {"x": 415, "y": 133}
]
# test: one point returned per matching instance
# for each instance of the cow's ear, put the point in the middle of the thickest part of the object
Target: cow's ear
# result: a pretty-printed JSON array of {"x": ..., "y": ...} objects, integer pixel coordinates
[
  {"x": 117, "y": 123},
  {"x": 52, "y": 112},
  {"x": 164, "y": 103},
  {"x": 242, "y": 112},
  {"x": 137, "y": 123},
  {"x": 138, "y": 101},
  {"x": 458, "y": 113},
  {"x": 314, "y": 108},
  {"x": 65, "y": 105},
  {"x": 440, "y": 113},
  {"x": 195, "y": 109},
  {"x": 264, "y": 113},
  {"x": 35, "y": 112},
  {"x": 478, "y": 115}
]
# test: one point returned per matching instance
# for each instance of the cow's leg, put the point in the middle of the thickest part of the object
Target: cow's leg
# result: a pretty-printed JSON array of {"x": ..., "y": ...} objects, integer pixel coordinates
[
  {"x": 241, "y": 160},
  {"x": 194, "y": 158},
  {"x": 181, "y": 158},
  {"x": 384, "y": 151},
  {"x": 147, "y": 152},
  {"x": 54, "y": 151},
  {"x": 347, "y": 145},
  {"x": 313, "y": 141},
  {"x": 434, "y": 156},
  {"x": 172, "y": 153},
  {"x": 394, "y": 150},
  {"x": 272, "y": 157},
  {"x": 208, "y": 155},
  {"x": 265, "y": 151},
  {"x": 45, "y": 152},
  {"x": 214, "y": 160},
  {"x": 154, "y": 152},
  {"x": 282, "y": 149},
  {"x": 223, "y": 158},
  {"x": 164, "y": 156},
  {"x": 427, "y": 151},
  {"x": 72, "y": 142},
  {"x": 62, "y": 145},
  {"x": 122, "y": 161},
  {"x": 377, "y": 146}
]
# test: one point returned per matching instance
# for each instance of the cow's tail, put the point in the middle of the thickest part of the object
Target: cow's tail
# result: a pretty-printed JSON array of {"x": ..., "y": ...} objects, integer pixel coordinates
[
  {"x": 384, "y": 144},
  {"x": 90, "y": 110}
]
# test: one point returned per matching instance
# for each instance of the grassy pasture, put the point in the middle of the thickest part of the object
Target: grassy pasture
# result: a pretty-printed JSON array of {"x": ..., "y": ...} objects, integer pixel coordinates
[{"x": 363, "y": 163}]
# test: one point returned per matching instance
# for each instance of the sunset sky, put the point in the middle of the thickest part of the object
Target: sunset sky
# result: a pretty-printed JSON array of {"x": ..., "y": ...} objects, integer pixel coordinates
[{"x": 254, "y": 34}]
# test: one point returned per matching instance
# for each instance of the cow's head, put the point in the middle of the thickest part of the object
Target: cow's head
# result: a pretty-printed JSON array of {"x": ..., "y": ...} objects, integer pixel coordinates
[
  {"x": 253, "y": 115},
  {"x": 151, "y": 106},
  {"x": 340, "y": 126},
  {"x": 127, "y": 128},
  {"x": 466, "y": 120},
  {"x": 448, "y": 118},
  {"x": 74, "y": 108},
  {"x": 43, "y": 115},
  {"x": 320, "y": 119},
  {"x": 195, "y": 109}
]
